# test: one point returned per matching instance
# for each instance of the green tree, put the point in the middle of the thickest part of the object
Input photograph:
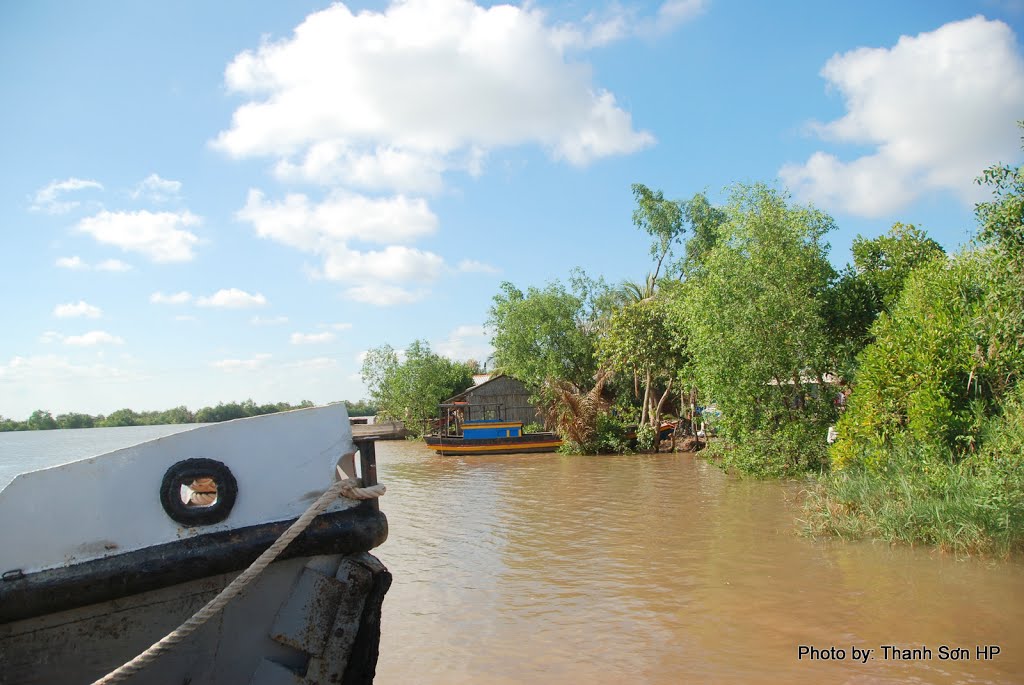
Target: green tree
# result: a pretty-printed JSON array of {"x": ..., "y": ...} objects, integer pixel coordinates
[
  {"x": 41, "y": 420},
  {"x": 7, "y": 425},
  {"x": 760, "y": 350},
  {"x": 661, "y": 219},
  {"x": 361, "y": 408},
  {"x": 640, "y": 340},
  {"x": 177, "y": 415},
  {"x": 705, "y": 222},
  {"x": 122, "y": 417},
  {"x": 1001, "y": 220},
  {"x": 545, "y": 334},
  {"x": 885, "y": 262},
  {"x": 920, "y": 383},
  {"x": 379, "y": 373},
  {"x": 1001, "y": 234},
  {"x": 474, "y": 366},
  {"x": 410, "y": 389},
  {"x": 872, "y": 285},
  {"x": 633, "y": 291},
  {"x": 75, "y": 420}
]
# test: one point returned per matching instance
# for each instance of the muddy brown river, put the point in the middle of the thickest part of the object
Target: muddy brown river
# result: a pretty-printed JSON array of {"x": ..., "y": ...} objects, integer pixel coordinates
[{"x": 662, "y": 569}]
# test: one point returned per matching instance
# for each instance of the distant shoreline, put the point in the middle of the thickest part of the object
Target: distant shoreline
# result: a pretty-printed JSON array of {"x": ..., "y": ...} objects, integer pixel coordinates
[{"x": 42, "y": 419}]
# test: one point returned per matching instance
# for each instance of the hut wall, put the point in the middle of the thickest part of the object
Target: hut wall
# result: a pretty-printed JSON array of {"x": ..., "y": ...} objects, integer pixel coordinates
[{"x": 511, "y": 394}]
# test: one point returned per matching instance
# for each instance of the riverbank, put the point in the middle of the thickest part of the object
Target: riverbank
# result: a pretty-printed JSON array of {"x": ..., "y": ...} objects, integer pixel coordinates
[
  {"x": 966, "y": 507},
  {"x": 975, "y": 507},
  {"x": 961, "y": 501}
]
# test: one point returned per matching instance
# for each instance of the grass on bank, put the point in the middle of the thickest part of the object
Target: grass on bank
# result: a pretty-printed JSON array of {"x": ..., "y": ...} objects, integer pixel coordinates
[
  {"x": 975, "y": 506},
  {"x": 912, "y": 494}
]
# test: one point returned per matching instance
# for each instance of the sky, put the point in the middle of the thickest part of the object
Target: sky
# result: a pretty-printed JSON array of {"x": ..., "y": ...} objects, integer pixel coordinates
[{"x": 205, "y": 202}]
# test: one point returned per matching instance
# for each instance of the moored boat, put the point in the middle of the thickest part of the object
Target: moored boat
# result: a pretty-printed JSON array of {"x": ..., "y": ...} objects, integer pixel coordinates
[
  {"x": 665, "y": 431},
  {"x": 102, "y": 557},
  {"x": 460, "y": 433}
]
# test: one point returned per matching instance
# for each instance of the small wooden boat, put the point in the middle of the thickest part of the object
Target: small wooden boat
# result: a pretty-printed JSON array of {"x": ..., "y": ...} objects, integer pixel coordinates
[
  {"x": 664, "y": 432},
  {"x": 459, "y": 433},
  {"x": 514, "y": 444}
]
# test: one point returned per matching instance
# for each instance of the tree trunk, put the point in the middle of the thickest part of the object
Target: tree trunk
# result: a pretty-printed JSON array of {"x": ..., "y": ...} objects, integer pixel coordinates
[
  {"x": 656, "y": 416},
  {"x": 646, "y": 403}
]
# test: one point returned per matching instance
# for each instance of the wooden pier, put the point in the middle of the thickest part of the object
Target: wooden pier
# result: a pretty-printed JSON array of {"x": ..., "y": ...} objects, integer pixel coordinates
[{"x": 385, "y": 430}]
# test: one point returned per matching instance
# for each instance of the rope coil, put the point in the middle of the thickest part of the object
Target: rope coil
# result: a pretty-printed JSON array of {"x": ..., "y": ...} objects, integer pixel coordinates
[{"x": 346, "y": 487}]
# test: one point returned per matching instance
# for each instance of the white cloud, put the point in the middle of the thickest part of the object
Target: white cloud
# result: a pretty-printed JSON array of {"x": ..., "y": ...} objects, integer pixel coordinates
[
  {"x": 312, "y": 338},
  {"x": 113, "y": 265},
  {"x": 474, "y": 266},
  {"x": 384, "y": 295},
  {"x": 383, "y": 168},
  {"x": 325, "y": 229},
  {"x": 464, "y": 343},
  {"x": 937, "y": 108},
  {"x": 160, "y": 236},
  {"x": 52, "y": 368},
  {"x": 74, "y": 309},
  {"x": 335, "y": 326},
  {"x": 317, "y": 363},
  {"x": 674, "y": 12},
  {"x": 392, "y": 99},
  {"x": 47, "y": 198},
  {"x": 157, "y": 189},
  {"x": 618, "y": 22},
  {"x": 50, "y": 337},
  {"x": 93, "y": 338},
  {"x": 268, "y": 321},
  {"x": 341, "y": 217},
  {"x": 232, "y": 298},
  {"x": 253, "y": 363},
  {"x": 393, "y": 263},
  {"x": 75, "y": 263},
  {"x": 177, "y": 298}
]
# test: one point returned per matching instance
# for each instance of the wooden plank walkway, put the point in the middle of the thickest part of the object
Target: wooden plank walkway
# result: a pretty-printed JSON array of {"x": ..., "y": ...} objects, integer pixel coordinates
[{"x": 385, "y": 430}]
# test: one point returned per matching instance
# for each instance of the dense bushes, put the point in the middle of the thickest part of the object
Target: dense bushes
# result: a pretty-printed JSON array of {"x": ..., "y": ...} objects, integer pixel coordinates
[
  {"x": 922, "y": 381},
  {"x": 932, "y": 447},
  {"x": 792, "y": 448},
  {"x": 975, "y": 504}
]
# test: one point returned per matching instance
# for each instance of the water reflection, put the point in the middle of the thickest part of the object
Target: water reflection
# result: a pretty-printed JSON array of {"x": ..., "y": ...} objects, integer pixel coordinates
[{"x": 657, "y": 569}]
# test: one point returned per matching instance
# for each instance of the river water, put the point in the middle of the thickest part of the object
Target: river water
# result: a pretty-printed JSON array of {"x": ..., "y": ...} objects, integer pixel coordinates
[
  {"x": 660, "y": 569},
  {"x": 639, "y": 569}
]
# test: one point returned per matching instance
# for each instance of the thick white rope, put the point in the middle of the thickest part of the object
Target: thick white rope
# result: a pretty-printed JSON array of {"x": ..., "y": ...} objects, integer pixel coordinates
[{"x": 349, "y": 487}]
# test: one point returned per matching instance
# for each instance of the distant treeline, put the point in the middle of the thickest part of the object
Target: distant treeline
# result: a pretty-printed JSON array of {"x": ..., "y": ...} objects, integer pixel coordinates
[{"x": 44, "y": 420}]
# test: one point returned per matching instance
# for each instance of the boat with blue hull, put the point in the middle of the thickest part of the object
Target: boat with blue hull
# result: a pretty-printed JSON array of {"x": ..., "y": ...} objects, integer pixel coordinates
[{"x": 482, "y": 430}]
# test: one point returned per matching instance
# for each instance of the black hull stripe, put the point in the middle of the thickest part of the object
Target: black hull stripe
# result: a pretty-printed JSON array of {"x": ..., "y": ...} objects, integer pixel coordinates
[{"x": 358, "y": 529}]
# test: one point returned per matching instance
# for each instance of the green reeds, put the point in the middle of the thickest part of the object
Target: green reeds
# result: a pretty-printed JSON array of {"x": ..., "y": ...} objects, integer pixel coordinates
[{"x": 975, "y": 506}]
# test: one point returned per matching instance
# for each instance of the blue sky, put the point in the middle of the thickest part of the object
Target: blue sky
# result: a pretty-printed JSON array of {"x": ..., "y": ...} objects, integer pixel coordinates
[{"x": 208, "y": 202}]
